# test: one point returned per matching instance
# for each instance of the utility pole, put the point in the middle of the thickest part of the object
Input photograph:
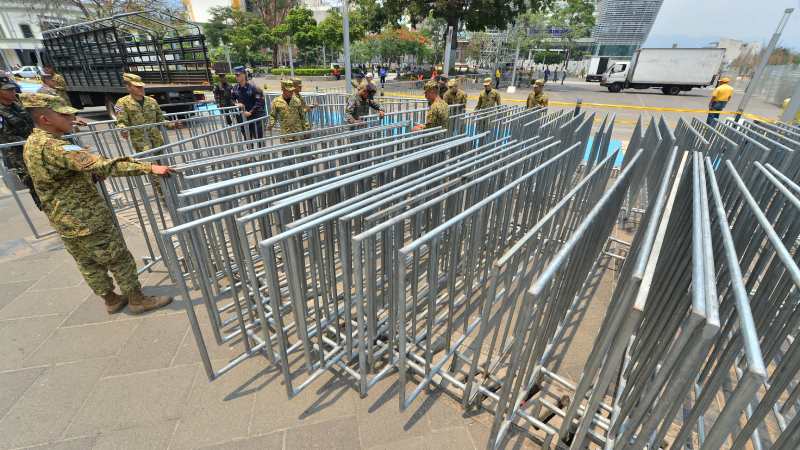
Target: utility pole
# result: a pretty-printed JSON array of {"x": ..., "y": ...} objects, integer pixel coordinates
[
  {"x": 291, "y": 61},
  {"x": 447, "y": 46},
  {"x": 513, "y": 87},
  {"x": 346, "y": 35},
  {"x": 751, "y": 87}
]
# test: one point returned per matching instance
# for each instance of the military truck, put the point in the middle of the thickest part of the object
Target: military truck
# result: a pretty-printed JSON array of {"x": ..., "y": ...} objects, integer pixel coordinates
[{"x": 167, "y": 52}]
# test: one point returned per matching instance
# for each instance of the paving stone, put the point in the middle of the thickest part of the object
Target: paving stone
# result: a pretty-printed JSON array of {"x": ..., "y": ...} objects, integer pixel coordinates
[
  {"x": 188, "y": 352},
  {"x": 9, "y": 291},
  {"x": 328, "y": 398},
  {"x": 456, "y": 438},
  {"x": 45, "y": 409},
  {"x": 272, "y": 441},
  {"x": 66, "y": 275},
  {"x": 150, "y": 437},
  {"x": 415, "y": 443},
  {"x": 79, "y": 443},
  {"x": 133, "y": 400},
  {"x": 220, "y": 410},
  {"x": 341, "y": 433},
  {"x": 89, "y": 341},
  {"x": 379, "y": 411},
  {"x": 42, "y": 303},
  {"x": 15, "y": 384},
  {"x": 442, "y": 411},
  {"x": 151, "y": 346},
  {"x": 19, "y": 338},
  {"x": 92, "y": 310},
  {"x": 31, "y": 270}
]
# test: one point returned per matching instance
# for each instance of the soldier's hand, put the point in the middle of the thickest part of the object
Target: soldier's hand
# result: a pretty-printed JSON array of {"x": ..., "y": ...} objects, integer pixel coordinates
[
  {"x": 161, "y": 170},
  {"x": 247, "y": 113},
  {"x": 97, "y": 178},
  {"x": 79, "y": 122},
  {"x": 380, "y": 114}
]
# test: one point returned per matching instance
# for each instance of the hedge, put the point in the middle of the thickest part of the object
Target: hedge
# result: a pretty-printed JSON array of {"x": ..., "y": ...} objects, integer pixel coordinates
[{"x": 315, "y": 71}]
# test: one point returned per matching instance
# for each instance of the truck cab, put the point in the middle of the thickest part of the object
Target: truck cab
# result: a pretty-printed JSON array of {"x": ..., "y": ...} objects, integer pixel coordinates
[{"x": 614, "y": 78}]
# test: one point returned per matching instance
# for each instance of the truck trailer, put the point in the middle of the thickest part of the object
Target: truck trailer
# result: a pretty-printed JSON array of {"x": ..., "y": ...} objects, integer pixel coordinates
[
  {"x": 167, "y": 52},
  {"x": 671, "y": 69}
]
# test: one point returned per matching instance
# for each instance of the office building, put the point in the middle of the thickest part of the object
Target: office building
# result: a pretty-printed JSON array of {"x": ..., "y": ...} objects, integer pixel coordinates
[{"x": 622, "y": 26}]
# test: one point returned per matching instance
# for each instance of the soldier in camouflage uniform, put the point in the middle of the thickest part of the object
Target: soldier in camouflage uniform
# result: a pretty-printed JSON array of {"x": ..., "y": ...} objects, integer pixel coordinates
[
  {"x": 298, "y": 88},
  {"x": 454, "y": 95},
  {"x": 359, "y": 104},
  {"x": 438, "y": 113},
  {"x": 489, "y": 97},
  {"x": 288, "y": 112},
  {"x": 59, "y": 83},
  {"x": 223, "y": 95},
  {"x": 537, "y": 98},
  {"x": 50, "y": 85},
  {"x": 137, "y": 109},
  {"x": 16, "y": 125},
  {"x": 442, "y": 86},
  {"x": 63, "y": 175}
]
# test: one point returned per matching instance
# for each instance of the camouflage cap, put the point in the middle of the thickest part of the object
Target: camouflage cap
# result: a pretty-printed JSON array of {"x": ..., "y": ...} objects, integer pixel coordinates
[
  {"x": 297, "y": 82},
  {"x": 487, "y": 81},
  {"x": 538, "y": 83},
  {"x": 133, "y": 79},
  {"x": 431, "y": 85},
  {"x": 7, "y": 82},
  {"x": 46, "y": 75},
  {"x": 452, "y": 83},
  {"x": 54, "y": 102},
  {"x": 287, "y": 84}
]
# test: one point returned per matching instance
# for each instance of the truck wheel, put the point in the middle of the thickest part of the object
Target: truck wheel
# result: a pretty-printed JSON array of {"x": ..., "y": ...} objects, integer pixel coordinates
[
  {"x": 671, "y": 90},
  {"x": 616, "y": 87}
]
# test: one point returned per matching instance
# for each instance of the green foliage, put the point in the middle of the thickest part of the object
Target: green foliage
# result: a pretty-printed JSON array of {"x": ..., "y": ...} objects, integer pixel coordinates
[
  {"x": 303, "y": 30},
  {"x": 548, "y": 57},
  {"x": 301, "y": 71},
  {"x": 245, "y": 34},
  {"x": 331, "y": 30}
]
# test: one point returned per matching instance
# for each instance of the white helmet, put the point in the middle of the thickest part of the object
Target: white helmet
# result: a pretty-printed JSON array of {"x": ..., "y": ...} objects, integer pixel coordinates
[{"x": 370, "y": 75}]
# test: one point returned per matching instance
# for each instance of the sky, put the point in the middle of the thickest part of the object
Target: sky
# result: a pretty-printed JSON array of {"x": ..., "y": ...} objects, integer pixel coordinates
[{"x": 696, "y": 23}]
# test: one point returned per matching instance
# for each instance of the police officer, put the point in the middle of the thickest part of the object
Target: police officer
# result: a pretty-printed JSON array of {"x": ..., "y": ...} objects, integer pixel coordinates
[
  {"x": 489, "y": 97},
  {"x": 288, "y": 112},
  {"x": 438, "y": 112},
  {"x": 454, "y": 95},
  {"x": 537, "y": 98},
  {"x": 223, "y": 95},
  {"x": 137, "y": 109},
  {"x": 359, "y": 104},
  {"x": 16, "y": 125},
  {"x": 251, "y": 100},
  {"x": 62, "y": 174},
  {"x": 298, "y": 89}
]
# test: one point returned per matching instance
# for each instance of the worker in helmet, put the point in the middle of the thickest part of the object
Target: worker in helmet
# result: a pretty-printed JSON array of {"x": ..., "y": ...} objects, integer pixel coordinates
[{"x": 719, "y": 98}]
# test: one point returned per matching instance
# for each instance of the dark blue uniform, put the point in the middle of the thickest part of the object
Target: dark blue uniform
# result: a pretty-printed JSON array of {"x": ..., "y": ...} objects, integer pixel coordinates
[{"x": 253, "y": 100}]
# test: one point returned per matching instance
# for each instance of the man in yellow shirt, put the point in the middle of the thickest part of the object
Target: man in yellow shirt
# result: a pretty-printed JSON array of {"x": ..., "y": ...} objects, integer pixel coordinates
[
  {"x": 719, "y": 98},
  {"x": 784, "y": 107}
]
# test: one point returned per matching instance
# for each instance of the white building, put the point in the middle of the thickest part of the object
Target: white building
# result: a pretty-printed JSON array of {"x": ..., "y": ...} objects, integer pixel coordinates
[
  {"x": 21, "y": 26},
  {"x": 199, "y": 10},
  {"x": 735, "y": 48}
]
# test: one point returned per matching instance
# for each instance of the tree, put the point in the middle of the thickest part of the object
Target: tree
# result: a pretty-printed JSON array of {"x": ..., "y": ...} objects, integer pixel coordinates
[
  {"x": 331, "y": 30},
  {"x": 571, "y": 21},
  {"x": 97, "y": 9},
  {"x": 474, "y": 15},
  {"x": 303, "y": 32},
  {"x": 245, "y": 34},
  {"x": 273, "y": 13}
]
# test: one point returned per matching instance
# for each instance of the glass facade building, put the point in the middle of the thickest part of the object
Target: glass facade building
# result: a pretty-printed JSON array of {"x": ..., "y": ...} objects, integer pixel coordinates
[{"x": 622, "y": 26}]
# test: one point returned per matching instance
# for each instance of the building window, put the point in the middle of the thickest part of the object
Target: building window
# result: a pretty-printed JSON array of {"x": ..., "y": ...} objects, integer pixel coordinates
[{"x": 27, "y": 33}]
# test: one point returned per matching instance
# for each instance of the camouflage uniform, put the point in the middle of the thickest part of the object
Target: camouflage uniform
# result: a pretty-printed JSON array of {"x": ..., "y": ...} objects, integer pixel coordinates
[
  {"x": 488, "y": 99},
  {"x": 63, "y": 176},
  {"x": 358, "y": 107},
  {"x": 289, "y": 114},
  {"x": 16, "y": 125},
  {"x": 537, "y": 100},
  {"x": 437, "y": 115},
  {"x": 131, "y": 113},
  {"x": 297, "y": 83},
  {"x": 51, "y": 91},
  {"x": 455, "y": 97}
]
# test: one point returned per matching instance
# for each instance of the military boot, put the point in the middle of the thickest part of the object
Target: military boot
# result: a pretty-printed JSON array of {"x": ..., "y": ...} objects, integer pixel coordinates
[
  {"x": 114, "y": 302},
  {"x": 139, "y": 303}
]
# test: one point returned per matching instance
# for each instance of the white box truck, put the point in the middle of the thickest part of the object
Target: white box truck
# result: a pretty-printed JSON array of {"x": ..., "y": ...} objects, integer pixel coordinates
[
  {"x": 671, "y": 69},
  {"x": 598, "y": 65}
]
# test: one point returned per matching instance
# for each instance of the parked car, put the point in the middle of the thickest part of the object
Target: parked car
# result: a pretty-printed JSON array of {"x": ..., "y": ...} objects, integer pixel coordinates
[{"x": 27, "y": 72}]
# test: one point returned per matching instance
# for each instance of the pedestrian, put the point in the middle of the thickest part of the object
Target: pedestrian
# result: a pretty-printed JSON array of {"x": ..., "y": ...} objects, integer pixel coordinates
[
  {"x": 563, "y": 75},
  {"x": 298, "y": 89},
  {"x": 546, "y": 74},
  {"x": 382, "y": 73},
  {"x": 360, "y": 103},
  {"x": 497, "y": 76},
  {"x": 719, "y": 98},
  {"x": 287, "y": 110},
  {"x": 454, "y": 95},
  {"x": 63, "y": 175},
  {"x": 537, "y": 98},
  {"x": 438, "y": 112},
  {"x": 784, "y": 107},
  {"x": 58, "y": 80},
  {"x": 49, "y": 86},
  {"x": 249, "y": 98},
  {"x": 337, "y": 73},
  {"x": 442, "y": 85},
  {"x": 489, "y": 97},
  {"x": 16, "y": 125}
]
